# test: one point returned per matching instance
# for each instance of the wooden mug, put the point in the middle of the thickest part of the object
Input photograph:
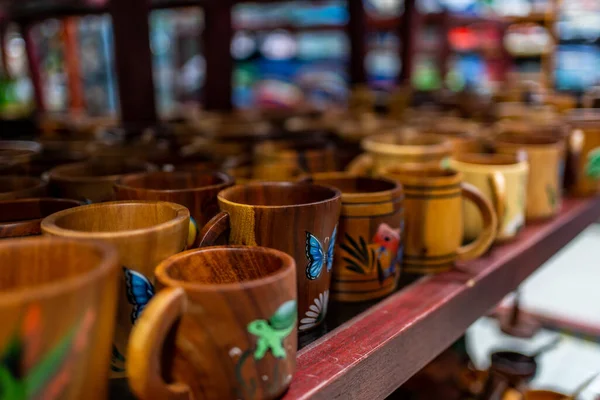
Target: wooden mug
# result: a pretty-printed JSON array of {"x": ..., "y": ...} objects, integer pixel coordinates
[
  {"x": 545, "y": 395},
  {"x": 545, "y": 155},
  {"x": 16, "y": 155},
  {"x": 502, "y": 178},
  {"x": 21, "y": 187},
  {"x": 368, "y": 254},
  {"x": 390, "y": 149},
  {"x": 57, "y": 304},
  {"x": 23, "y": 217},
  {"x": 287, "y": 159},
  {"x": 584, "y": 148},
  {"x": 196, "y": 191},
  {"x": 226, "y": 317},
  {"x": 434, "y": 218},
  {"x": 297, "y": 218},
  {"x": 93, "y": 181},
  {"x": 145, "y": 233}
]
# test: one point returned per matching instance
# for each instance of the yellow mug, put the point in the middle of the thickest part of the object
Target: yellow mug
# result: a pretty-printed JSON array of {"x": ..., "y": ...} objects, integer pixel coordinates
[{"x": 502, "y": 178}]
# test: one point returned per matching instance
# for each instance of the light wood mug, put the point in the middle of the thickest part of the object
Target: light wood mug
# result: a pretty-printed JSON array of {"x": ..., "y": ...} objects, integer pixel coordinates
[
  {"x": 502, "y": 179},
  {"x": 434, "y": 218},
  {"x": 584, "y": 149}
]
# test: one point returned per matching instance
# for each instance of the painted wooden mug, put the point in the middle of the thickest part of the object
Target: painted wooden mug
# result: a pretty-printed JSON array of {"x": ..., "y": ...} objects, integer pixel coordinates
[
  {"x": 584, "y": 149},
  {"x": 92, "y": 182},
  {"x": 368, "y": 254},
  {"x": 145, "y": 233},
  {"x": 23, "y": 217},
  {"x": 502, "y": 178},
  {"x": 434, "y": 218},
  {"x": 57, "y": 304},
  {"x": 297, "y": 218},
  {"x": 195, "y": 190},
  {"x": 545, "y": 155},
  {"x": 226, "y": 317},
  {"x": 407, "y": 146},
  {"x": 21, "y": 187}
]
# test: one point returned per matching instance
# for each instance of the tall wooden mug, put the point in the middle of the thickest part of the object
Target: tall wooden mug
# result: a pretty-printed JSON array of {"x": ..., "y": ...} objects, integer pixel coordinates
[
  {"x": 434, "y": 218},
  {"x": 145, "y": 233},
  {"x": 57, "y": 304},
  {"x": 584, "y": 149},
  {"x": 223, "y": 326},
  {"x": 370, "y": 240},
  {"x": 299, "y": 219}
]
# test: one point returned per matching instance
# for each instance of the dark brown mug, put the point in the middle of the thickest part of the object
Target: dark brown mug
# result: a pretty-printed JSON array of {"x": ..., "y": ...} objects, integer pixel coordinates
[
  {"x": 297, "y": 218},
  {"x": 222, "y": 326},
  {"x": 21, "y": 187},
  {"x": 23, "y": 217},
  {"x": 92, "y": 182},
  {"x": 16, "y": 155},
  {"x": 195, "y": 190}
]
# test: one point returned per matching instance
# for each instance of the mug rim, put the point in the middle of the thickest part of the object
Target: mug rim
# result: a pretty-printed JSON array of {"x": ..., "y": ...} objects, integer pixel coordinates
[
  {"x": 413, "y": 173},
  {"x": 439, "y": 145},
  {"x": 109, "y": 260},
  {"x": 26, "y": 145},
  {"x": 57, "y": 173},
  {"x": 465, "y": 160},
  {"x": 122, "y": 182},
  {"x": 394, "y": 191},
  {"x": 71, "y": 203},
  {"x": 336, "y": 194},
  {"x": 288, "y": 267},
  {"x": 37, "y": 183},
  {"x": 49, "y": 225}
]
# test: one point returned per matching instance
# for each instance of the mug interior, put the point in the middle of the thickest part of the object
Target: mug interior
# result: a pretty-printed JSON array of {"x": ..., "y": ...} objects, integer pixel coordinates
[
  {"x": 31, "y": 263},
  {"x": 116, "y": 217},
  {"x": 278, "y": 194},
  {"x": 98, "y": 170},
  {"x": 223, "y": 265},
  {"x": 351, "y": 184},
  {"x": 421, "y": 172},
  {"x": 173, "y": 180},
  {"x": 409, "y": 139},
  {"x": 487, "y": 159}
]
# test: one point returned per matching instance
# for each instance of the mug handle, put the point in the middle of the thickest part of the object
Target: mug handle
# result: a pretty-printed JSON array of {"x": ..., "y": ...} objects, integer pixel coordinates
[
  {"x": 490, "y": 225},
  {"x": 145, "y": 347},
  {"x": 214, "y": 229},
  {"x": 498, "y": 185},
  {"x": 361, "y": 165}
]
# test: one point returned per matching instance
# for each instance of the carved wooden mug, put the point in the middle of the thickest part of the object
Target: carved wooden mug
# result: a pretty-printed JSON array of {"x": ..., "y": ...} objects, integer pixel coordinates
[
  {"x": 145, "y": 233},
  {"x": 297, "y": 218},
  {"x": 222, "y": 326}
]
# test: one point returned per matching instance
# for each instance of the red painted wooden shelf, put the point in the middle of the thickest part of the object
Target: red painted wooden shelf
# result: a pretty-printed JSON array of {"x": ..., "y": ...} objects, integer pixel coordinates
[{"x": 373, "y": 353}]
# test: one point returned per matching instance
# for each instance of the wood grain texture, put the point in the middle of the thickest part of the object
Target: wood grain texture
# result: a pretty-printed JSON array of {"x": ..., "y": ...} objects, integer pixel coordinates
[
  {"x": 435, "y": 218},
  {"x": 545, "y": 395},
  {"x": 196, "y": 191},
  {"x": 145, "y": 233},
  {"x": 57, "y": 304},
  {"x": 232, "y": 316},
  {"x": 21, "y": 187},
  {"x": 23, "y": 217},
  {"x": 368, "y": 253},
  {"x": 366, "y": 358},
  {"x": 92, "y": 182},
  {"x": 287, "y": 217}
]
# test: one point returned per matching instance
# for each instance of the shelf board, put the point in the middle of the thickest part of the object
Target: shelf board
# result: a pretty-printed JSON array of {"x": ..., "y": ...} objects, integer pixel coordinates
[{"x": 373, "y": 353}]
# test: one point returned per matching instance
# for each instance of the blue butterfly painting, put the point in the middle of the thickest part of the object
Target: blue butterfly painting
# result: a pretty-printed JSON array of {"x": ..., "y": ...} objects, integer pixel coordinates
[
  {"x": 139, "y": 292},
  {"x": 316, "y": 255}
]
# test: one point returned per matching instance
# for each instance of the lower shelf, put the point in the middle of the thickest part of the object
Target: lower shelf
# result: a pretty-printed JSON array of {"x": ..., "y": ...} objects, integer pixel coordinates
[{"x": 373, "y": 352}]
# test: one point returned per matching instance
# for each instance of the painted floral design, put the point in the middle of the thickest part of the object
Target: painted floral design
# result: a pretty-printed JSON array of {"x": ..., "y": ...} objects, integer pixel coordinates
[
  {"x": 383, "y": 253},
  {"x": 316, "y": 312},
  {"x": 27, "y": 374},
  {"x": 270, "y": 334}
]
